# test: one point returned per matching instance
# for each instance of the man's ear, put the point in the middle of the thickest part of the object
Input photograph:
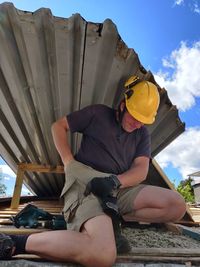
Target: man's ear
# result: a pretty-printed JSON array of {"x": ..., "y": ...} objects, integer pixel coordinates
[{"x": 122, "y": 106}]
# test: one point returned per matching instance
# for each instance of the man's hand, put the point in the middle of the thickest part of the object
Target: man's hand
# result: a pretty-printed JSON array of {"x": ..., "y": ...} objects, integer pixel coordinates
[{"x": 102, "y": 187}]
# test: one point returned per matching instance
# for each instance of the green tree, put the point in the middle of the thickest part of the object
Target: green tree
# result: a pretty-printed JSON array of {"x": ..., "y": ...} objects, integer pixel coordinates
[
  {"x": 2, "y": 186},
  {"x": 186, "y": 190}
]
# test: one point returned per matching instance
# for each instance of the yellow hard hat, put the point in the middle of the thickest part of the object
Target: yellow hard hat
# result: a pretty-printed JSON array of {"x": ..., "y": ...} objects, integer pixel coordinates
[{"x": 142, "y": 99}]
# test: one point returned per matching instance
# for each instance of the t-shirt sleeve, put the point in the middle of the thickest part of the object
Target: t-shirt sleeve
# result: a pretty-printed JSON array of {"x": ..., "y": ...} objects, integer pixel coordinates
[
  {"x": 79, "y": 120},
  {"x": 144, "y": 145}
]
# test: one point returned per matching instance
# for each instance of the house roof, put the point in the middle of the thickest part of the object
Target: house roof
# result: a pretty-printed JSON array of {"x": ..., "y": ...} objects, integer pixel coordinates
[{"x": 195, "y": 174}]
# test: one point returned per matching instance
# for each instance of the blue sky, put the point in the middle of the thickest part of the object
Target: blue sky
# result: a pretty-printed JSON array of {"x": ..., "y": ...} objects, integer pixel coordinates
[
  {"x": 8, "y": 178},
  {"x": 166, "y": 37}
]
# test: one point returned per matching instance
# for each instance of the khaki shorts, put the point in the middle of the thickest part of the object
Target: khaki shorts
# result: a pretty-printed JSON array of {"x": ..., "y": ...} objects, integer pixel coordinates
[{"x": 78, "y": 208}]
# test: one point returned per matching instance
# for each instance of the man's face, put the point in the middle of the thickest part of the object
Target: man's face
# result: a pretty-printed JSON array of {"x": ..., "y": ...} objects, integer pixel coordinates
[{"x": 129, "y": 123}]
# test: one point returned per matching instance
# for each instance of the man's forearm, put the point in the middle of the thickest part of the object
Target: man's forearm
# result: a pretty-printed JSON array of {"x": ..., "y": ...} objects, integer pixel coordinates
[
  {"x": 135, "y": 175},
  {"x": 59, "y": 134}
]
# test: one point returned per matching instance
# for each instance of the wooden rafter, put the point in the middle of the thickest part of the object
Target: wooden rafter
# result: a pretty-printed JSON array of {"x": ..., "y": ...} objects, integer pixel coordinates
[{"x": 30, "y": 167}]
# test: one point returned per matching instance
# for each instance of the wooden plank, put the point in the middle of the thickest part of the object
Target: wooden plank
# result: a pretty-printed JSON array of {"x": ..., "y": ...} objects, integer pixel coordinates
[
  {"x": 51, "y": 205},
  {"x": 3, "y": 216},
  {"x": 6, "y": 216},
  {"x": 5, "y": 222},
  {"x": 167, "y": 259},
  {"x": 6, "y": 213},
  {"x": 130, "y": 258},
  {"x": 22, "y": 167},
  {"x": 41, "y": 168},
  {"x": 17, "y": 189},
  {"x": 13, "y": 212},
  {"x": 187, "y": 223},
  {"x": 181, "y": 229},
  {"x": 195, "y": 214},
  {"x": 44, "y": 204},
  {"x": 189, "y": 232},
  {"x": 21, "y": 231},
  {"x": 195, "y": 210},
  {"x": 196, "y": 218},
  {"x": 169, "y": 183},
  {"x": 183, "y": 252},
  {"x": 163, "y": 175}
]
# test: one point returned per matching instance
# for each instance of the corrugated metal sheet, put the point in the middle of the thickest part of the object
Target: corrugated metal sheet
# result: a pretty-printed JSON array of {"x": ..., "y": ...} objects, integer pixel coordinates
[{"x": 50, "y": 66}]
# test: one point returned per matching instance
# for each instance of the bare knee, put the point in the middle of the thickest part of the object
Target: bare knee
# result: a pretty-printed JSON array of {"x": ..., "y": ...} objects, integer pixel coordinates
[
  {"x": 108, "y": 258},
  {"x": 174, "y": 206},
  {"x": 101, "y": 249},
  {"x": 103, "y": 256},
  {"x": 179, "y": 206}
]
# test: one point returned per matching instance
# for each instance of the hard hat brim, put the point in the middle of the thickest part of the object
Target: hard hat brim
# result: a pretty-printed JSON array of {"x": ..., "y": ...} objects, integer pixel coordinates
[{"x": 139, "y": 117}]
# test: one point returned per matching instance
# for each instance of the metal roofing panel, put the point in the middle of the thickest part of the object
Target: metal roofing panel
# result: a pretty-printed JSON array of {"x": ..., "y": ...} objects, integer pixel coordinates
[{"x": 50, "y": 66}]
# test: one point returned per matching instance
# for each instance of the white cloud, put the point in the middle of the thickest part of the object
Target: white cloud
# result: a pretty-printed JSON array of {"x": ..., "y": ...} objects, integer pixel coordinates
[
  {"x": 184, "y": 84},
  {"x": 6, "y": 178},
  {"x": 183, "y": 153},
  {"x": 178, "y": 2},
  {"x": 196, "y": 8},
  {"x": 7, "y": 170},
  {"x": 193, "y": 5}
]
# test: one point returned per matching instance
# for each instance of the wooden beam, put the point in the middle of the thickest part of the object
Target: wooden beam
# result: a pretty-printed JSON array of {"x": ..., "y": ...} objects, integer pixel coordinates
[
  {"x": 152, "y": 255},
  {"x": 188, "y": 223},
  {"x": 184, "y": 230},
  {"x": 169, "y": 183},
  {"x": 124, "y": 260},
  {"x": 148, "y": 258},
  {"x": 17, "y": 189},
  {"x": 41, "y": 168},
  {"x": 188, "y": 231},
  {"x": 5, "y": 222},
  {"x": 21, "y": 231},
  {"x": 183, "y": 252},
  {"x": 127, "y": 260},
  {"x": 22, "y": 167}
]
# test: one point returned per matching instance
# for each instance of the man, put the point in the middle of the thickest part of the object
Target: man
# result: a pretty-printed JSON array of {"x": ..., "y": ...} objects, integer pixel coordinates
[{"x": 104, "y": 180}]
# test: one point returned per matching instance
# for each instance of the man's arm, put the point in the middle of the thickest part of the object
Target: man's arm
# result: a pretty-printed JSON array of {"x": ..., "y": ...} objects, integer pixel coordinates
[
  {"x": 59, "y": 131},
  {"x": 104, "y": 188},
  {"x": 136, "y": 174}
]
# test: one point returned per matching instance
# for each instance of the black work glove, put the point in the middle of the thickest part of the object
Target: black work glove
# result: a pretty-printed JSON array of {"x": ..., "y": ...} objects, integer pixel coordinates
[{"x": 104, "y": 188}]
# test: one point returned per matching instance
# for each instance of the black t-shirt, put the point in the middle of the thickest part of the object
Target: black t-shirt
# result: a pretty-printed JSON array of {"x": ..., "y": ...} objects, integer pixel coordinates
[{"x": 105, "y": 146}]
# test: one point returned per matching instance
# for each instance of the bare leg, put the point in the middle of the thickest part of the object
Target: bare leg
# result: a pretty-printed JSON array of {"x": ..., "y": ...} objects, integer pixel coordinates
[
  {"x": 156, "y": 204},
  {"x": 94, "y": 246}
]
